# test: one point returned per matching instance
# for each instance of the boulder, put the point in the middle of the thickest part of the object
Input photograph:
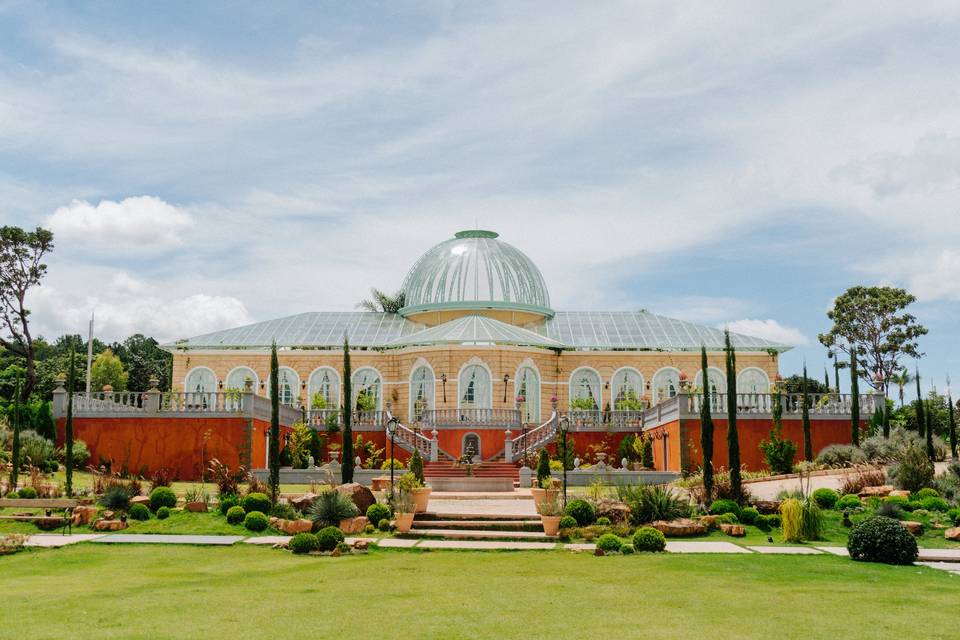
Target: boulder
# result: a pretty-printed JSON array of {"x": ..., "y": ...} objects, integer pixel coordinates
[
  {"x": 952, "y": 534},
  {"x": 107, "y": 515},
  {"x": 359, "y": 494},
  {"x": 381, "y": 484},
  {"x": 109, "y": 525},
  {"x": 196, "y": 507},
  {"x": 84, "y": 515},
  {"x": 879, "y": 492},
  {"x": 361, "y": 545},
  {"x": 617, "y": 512},
  {"x": 899, "y": 493},
  {"x": 710, "y": 522},
  {"x": 302, "y": 503},
  {"x": 354, "y": 525},
  {"x": 144, "y": 500},
  {"x": 916, "y": 528},
  {"x": 293, "y": 527},
  {"x": 735, "y": 530},
  {"x": 767, "y": 506},
  {"x": 679, "y": 528}
]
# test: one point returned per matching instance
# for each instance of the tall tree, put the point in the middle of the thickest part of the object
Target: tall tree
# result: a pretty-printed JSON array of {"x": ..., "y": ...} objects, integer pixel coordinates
[
  {"x": 930, "y": 452},
  {"x": 274, "y": 423},
  {"x": 143, "y": 359},
  {"x": 836, "y": 371},
  {"x": 871, "y": 322},
  {"x": 805, "y": 418},
  {"x": 107, "y": 369},
  {"x": 901, "y": 379},
  {"x": 733, "y": 438},
  {"x": 854, "y": 399},
  {"x": 383, "y": 302},
  {"x": 953, "y": 425},
  {"x": 706, "y": 431},
  {"x": 68, "y": 426},
  {"x": 346, "y": 467},
  {"x": 826, "y": 379},
  {"x": 921, "y": 422},
  {"x": 21, "y": 253},
  {"x": 15, "y": 454}
]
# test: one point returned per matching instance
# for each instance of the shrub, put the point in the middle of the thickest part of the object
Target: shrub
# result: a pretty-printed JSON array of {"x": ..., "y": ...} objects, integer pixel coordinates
[
  {"x": 377, "y": 512},
  {"x": 840, "y": 455},
  {"x": 80, "y": 454},
  {"x": 772, "y": 520},
  {"x": 384, "y": 525},
  {"x": 568, "y": 522},
  {"x": 162, "y": 497},
  {"x": 604, "y": 521},
  {"x": 581, "y": 511},
  {"x": 801, "y": 520},
  {"x": 890, "y": 510},
  {"x": 915, "y": 471},
  {"x": 328, "y": 538},
  {"x": 722, "y": 506},
  {"x": 416, "y": 465},
  {"x": 543, "y": 466},
  {"x": 36, "y": 448},
  {"x": 227, "y": 502},
  {"x": 826, "y": 498},
  {"x": 255, "y": 521},
  {"x": 330, "y": 508},
  {"x": 935, "y": 503},
  {"x": 13, "y": 495},
  {"x": 304, "y": 543},
  {"x": 284, "y": 511},
  {"x": 926, "y": 492},
  {"x": 864, "y": 477},
  {"x": 626, "y": 549},
  {"x": 653, "y": 502},
  {"x": 116, "y": 497},
  {"x": 139, "y": 512},
  {"x": 608, "y": 543},
  {"x": 163, "y": 513},
  {"x": 256, "y": 502},
  {"x": 649, "y": 539},
  {"x": 954, "y": 515},
  {"x": 880, "y": 539},
  {"x": 235, "y": 514},
  {"x": 749, "y": 515},
  {"x": 728, "y": 518},
  {"x": 901, "y": 501},
  {"x": 914, "y": 505},
  {"x": 778, "y": 452},
  {"x": 28, "y": 493},
  {"x": 848, "y": 501}
]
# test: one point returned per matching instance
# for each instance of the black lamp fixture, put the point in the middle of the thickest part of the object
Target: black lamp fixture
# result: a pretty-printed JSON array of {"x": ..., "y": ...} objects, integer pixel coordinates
[
  {"x": 220, "y": 385},
  {"x": 506, "y": 379},
  {"x": 443, "y": 382},
  {"x": 392, "y": 430}
]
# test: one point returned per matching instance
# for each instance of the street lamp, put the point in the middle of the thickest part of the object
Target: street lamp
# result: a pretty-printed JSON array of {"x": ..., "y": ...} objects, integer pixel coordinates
[{"x": 392, "y": 430}]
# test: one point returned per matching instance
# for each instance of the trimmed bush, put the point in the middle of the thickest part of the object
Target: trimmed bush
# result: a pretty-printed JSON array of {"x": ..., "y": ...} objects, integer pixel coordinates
[
  {"x": 284, "y": 511},
  {"x": 848, "y": 501},
  {"x": 926, "y": 492},
  {"x": 649, "y": 539},
  {"x": 139, "y": 512},
  {"x": 722, "y": 506},
  {"x": 13, "y": 495},
  {"x": 163, "y": 513},
  {"x": 328, "y": 538},
  {"x": 897, "y": 500},
  {"x": 626, "y": 549},
  {"x": 235, "y": 514},
  {"x": 749, "y": 515},
  {"x": 568, "y": 522},
  {"x": 826, "y": 498},
  {"x": 304, "y": 543},
  {"x": 880, "y": 539},
  {"x": 162, "y": 497},
  {"x": 915, "y": 471},
  {"x": 914, "y": 505},
  {"x": 28, "y": 493},
  {"x": 608, "y": 543},
  {"x": 384, "y": 525},
  {"x": 603, "y": 522},
  {"x": 226, "y": 502},
  {"x": 772, "y": 520},
  {"x": 255, "y": 521},
  {"x": 256, "y": 502},
  {"x": 954, "y": 515},
  {"x": 728, "y": 518},
  {"x": 581, "y": 511},
  {"x": 935, "y": 503},
  {"x": 377, "y": 512}
]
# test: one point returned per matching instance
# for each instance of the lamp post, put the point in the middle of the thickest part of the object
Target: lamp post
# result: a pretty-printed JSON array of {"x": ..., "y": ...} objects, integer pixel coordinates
[
  {"x": 563, "y": 432},
  {"x": 392, "y": 430}
]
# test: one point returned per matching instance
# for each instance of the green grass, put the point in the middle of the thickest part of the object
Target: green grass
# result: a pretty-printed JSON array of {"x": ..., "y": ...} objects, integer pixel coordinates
[
  {"x": 141, "y": 591},
  {"x": 84, "y": 480}
]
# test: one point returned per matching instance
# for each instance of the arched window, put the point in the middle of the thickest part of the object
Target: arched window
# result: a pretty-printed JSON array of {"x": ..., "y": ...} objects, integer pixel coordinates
[
  {"x": 421, "y": 392},
  {"x": 474, "y": 388},
  {"x": 366, "y": 390},
  {"x": 627, "y": 390},
  {"x": 753, "y": 380},
  {"x": 237, "y": 379},
  {"x": 289, "y": 385},
  {"x": 585, "y": 391},
  {"x": 666, "y": 383},
  {"x": 718, "y": 381},
  {"x": 323, "y": 388},
  {"x": 200, "y": 380},
  {"x": 527, "y": 385}
]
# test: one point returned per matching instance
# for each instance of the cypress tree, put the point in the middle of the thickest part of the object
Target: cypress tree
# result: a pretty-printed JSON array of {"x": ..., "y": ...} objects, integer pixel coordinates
[
  {"x": 836, "y": 372},
  {"x": 805, "y": 417},
  {"x": 920, "y": 419},
  {"x": 826, "y": 379},
  {"x": 346, "y": 468},
  {"x": 274, "y": 453},
  {"x": 706, "y": 431},
  {"x": 854, "y": 400},
  {"x": 929, "y": 415},
  {"x": 68, "y": 426},
  {"x": 543, "y": 466},
  {"x": 15, "y": 454},
  {"x": 953, "y": 428},
  {"x": 733, "y": 439}
]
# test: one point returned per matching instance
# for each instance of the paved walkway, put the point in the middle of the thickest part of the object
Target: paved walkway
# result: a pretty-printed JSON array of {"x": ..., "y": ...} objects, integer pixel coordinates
[{"x": 50, "y": 540}]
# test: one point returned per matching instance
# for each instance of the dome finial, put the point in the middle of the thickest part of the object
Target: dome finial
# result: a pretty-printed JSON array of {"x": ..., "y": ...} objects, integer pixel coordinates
[{"x": 476, "y": 233}]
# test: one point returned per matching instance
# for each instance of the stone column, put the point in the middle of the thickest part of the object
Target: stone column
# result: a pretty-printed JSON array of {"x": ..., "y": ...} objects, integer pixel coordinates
[
  {"x": 153, "y": 396},
  {"x": 60, "y": 397},
  {"x": 508, "y": 446}
]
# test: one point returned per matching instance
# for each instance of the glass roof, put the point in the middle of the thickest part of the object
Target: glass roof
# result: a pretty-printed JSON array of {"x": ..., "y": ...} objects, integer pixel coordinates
[
  {"x": 475, "y": 270},
  {"x": 628, "y": 330}
]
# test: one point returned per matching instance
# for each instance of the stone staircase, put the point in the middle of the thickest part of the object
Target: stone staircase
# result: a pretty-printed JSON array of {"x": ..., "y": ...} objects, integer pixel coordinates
[
  {"x": 472, "y": 526},
  {"x": 488, "y": 469}
]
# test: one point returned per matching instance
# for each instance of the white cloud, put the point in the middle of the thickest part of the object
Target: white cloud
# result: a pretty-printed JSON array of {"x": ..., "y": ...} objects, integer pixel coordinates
[
  {"x": 931, "y": 277},
  {"x": 768, "y": 329},
  {"x": 136, "y": 224}
]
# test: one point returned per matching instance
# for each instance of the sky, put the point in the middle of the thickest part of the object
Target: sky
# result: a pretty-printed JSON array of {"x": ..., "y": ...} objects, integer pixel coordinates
[{"x": 207, "y": 165}]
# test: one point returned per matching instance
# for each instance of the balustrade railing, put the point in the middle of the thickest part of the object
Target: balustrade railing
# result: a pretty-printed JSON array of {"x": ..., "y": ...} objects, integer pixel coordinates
[
  {"x": 502, "y": 418},
  {"x": 531, "y": 441},
  {"x": 595, "y": 420},
  {"x": 109, "y": 401},
  {"x": 837, "y": 404},
  {"x": 412, "y": 440}
]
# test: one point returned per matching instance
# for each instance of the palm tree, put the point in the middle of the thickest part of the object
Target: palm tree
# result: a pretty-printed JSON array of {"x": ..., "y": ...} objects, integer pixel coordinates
[
  {"x": 901, "y": 379},
  {"x": 383, "y": 302}
]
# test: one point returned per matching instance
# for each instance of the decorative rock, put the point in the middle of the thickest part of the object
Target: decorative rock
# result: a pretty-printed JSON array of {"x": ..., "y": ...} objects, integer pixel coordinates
[
  {"x": 108, "y": 515},
  {"x": 359, "y": 494},
  {"x": 84, "y": 515},
  {"x": 879, "y": 492},
  {"x": 109, "y": 525},
  {"x": 145, "y": 500},
  {"x": 916, "y": 528},
  {"x": 293, "y": 527},
  {"x": 617, "y": 512},
  {"x": 336, "y": 553},
  {"x": 361, "y": 545},
  {"x": 952, "y": 534},
  {"x": 767, "y": 506},
  {"x": 899, "y": 493},
  {"x": 734, "y": 530},
  {"x": 196, "y": 507},
  {"x": 302, "y": 503},
  {"x": 679, "y": 528},
  {"x": 354, "y": 525},
  {"x": 710, "y": 522}
]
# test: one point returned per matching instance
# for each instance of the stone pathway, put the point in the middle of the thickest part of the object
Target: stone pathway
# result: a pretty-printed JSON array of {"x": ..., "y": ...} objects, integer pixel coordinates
[
  {"x": 793, "y": 551},
  {"x": 677, "y": 546},
  {"x": 50, "y": 541},
  {"x": 950, "y": 567},
  {"x": 837, "y": 551}
]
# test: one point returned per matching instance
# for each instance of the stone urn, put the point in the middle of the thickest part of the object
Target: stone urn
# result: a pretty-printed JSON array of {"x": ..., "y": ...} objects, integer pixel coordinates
[
  {"x": 551, "y": 524},
  {"x": 335, "y": 457},
  {"x": 404, "y": 522},
  {"x": 421, "y": 498}
]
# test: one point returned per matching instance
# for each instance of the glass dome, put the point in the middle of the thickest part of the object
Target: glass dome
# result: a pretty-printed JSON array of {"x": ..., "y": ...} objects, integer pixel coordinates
[{"x": 475, "y": 270}]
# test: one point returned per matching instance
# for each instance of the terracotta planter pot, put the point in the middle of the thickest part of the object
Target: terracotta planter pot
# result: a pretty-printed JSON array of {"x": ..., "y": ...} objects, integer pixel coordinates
[
  {"x": 551, "y": 524},
  {"x": 196, "y": 507},
  {"x": 421, "y": 497},
  {"x": 404, "y": 522},
  {"x": 538, "y": 496}
]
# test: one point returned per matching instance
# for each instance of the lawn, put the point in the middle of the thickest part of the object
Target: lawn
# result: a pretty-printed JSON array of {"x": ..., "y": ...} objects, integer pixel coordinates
[{"x": 141, "y": 591}]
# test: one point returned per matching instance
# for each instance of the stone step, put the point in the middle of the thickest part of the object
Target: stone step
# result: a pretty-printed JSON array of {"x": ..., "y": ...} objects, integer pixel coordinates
[
  {"x": 482, "y": 525},
  {"x": 474, "y": 534},
  {"x": 431, "y": 516}
]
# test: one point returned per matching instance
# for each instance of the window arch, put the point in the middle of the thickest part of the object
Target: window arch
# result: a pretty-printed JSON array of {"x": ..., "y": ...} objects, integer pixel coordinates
[
  {"x": 627, "y": 390},
  {"x": 237, "y": 379},
  {"x": 474, "y": 390},
  {"x": 753, "y": 380},
  {"x": 421, "y": 392},
  {"x": 323, "y": 389},
  {"x": 367, "y": 385},
  {"x": 666, "y": 384},
  {"x": 527, "y": 384},
  {"x": 200, "y": 380},
  {"x": 718, "y": 381},
  {"x": 585, "y": 389},
  {"x": 288, "y": 383}
]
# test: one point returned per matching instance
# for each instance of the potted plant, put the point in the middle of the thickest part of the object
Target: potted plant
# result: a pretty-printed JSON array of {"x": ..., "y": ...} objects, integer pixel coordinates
[
  {"x": 195, "y": 500},
  {"x": 405, "y": 508},
  {"x": 550, "y": 515},
  {"x": 421, "y": 492}
]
